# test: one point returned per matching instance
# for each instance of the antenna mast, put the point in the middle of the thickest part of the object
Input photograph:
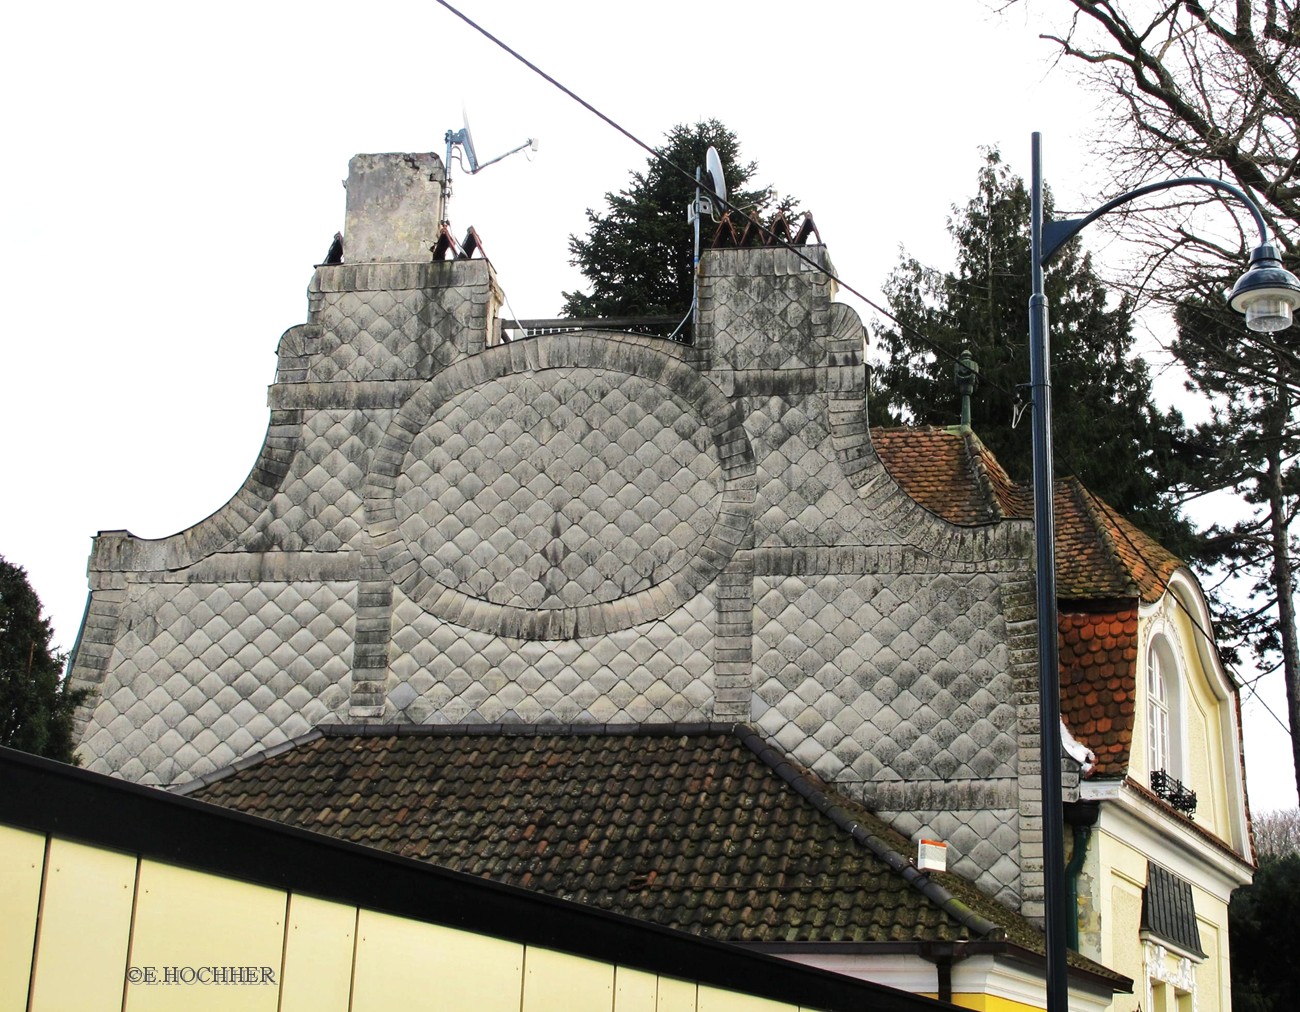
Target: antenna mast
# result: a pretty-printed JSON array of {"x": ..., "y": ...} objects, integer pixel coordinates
[
  {"x": 702, "y": 205},
  {"x": 461, "y": 144}
]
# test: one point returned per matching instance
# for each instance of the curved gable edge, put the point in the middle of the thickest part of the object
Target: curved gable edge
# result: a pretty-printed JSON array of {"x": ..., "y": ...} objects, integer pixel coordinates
[{"x": 1183, "y": 594}]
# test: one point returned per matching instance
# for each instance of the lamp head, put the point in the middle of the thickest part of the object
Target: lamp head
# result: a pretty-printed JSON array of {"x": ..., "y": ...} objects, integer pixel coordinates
[{"x": 1267, "y": 293}]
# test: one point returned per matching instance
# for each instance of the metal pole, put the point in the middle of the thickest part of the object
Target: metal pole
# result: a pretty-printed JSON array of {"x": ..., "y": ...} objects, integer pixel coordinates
[{"x": 1049, "y": 678}]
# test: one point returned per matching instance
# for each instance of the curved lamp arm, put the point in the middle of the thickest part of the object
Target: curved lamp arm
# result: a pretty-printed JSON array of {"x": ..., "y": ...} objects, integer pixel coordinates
[
  {"x": 1267, "y": 294},
  {"x": 1057, "y": 233}
]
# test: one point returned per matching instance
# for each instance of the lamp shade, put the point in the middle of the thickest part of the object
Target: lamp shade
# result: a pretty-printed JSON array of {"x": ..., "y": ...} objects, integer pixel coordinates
[{"x": 1267, "y": 293}]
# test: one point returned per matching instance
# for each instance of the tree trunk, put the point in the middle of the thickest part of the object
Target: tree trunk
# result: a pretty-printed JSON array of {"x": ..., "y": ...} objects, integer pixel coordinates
[{"x": 1283, "y": 572}]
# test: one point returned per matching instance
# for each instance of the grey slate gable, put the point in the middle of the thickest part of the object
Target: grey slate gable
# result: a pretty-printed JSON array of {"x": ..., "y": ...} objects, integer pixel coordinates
[{"x": 588, "y": 527}]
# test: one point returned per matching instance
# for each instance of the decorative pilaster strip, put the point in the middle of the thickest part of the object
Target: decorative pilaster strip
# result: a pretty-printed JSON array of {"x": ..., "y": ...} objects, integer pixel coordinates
[
  {"x": 370, "y": 641},
  {"x": 95, "y": 642},
  {"x": 733, "y": 661},
  {"x": 1018, "y": 604}
]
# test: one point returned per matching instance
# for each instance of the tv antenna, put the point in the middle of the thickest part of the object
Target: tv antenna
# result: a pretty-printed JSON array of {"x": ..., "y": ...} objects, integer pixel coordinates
[
  {"x": 702, "y": 204},
  {"x": 461, "y": 144}
]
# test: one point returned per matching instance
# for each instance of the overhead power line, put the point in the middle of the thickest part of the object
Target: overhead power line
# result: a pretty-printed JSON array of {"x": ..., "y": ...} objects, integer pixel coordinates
[{"x": 722, "y": 201}]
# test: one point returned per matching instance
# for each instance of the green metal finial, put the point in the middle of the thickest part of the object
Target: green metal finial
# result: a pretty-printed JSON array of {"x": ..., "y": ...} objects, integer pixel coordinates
[{"x": 967, "y": 373}]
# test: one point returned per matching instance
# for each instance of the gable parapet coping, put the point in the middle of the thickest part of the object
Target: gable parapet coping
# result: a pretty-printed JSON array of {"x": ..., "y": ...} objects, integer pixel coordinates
[
  {"x": 387, "y": 277},
  {"x": 124, "y": 552}
]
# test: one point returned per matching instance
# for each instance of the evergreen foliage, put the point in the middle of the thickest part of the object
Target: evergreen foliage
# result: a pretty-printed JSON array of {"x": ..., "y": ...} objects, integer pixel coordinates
[
  {"x": 1264, "y": 936},
  {"x": 36, "y": 704},
  {"x": 1106, "y": 429},
  {"x": 1251, "y": 448},
  {"x": 1211, "y": 89},
  {"x": 638, "y": 254}
]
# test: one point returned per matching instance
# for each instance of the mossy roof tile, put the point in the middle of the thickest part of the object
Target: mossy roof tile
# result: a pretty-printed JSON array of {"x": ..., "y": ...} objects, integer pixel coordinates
[{"x": 709, "y": 830}]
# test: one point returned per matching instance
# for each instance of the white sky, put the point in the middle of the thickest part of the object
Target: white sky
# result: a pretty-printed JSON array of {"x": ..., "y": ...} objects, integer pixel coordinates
[{"x": 172, "y": 172}]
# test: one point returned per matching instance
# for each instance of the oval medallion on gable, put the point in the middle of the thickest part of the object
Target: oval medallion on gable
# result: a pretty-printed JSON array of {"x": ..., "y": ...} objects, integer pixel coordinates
[{"x": 591, "y": 493}]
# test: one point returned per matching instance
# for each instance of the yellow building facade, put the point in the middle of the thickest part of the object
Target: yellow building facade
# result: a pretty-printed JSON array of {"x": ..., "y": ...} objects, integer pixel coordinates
[{"x": 1185, "y": 751}]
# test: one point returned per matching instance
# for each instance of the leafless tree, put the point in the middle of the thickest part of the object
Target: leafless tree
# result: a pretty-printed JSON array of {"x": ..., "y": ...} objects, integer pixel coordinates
[
  {"x": 1277, "y": 834},
  {"x": 1212, "y": 87}
]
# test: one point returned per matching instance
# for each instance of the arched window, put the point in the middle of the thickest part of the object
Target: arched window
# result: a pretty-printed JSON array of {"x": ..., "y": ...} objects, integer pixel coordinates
[
  {"x": 1165, "y": 730},
  {"x": 1159, "y": 741}
]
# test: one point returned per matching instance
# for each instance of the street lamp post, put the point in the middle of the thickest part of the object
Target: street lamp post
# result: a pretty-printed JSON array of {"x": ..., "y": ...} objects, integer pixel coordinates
[{"x": 1266, "y": 294}]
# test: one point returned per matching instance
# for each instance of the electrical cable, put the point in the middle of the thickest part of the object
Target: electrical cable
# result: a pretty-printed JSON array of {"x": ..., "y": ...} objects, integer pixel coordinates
[
  {"x": 771, "y": 236},
  {"x": 768, "y": 233},
  {"x": 1249, "y": 684}
]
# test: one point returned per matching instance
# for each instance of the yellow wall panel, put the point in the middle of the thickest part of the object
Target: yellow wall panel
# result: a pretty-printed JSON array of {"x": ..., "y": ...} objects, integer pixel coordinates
[
  {"x": 676, "y": 995},
  {"x": 190, "y": 926},
  {"x": 1212, "y": 988},
  {"x": 317, "y": 956},
  {"x": 81, "y": 956},
  {"x": 991, "y": 1003},
  {"x": 634, "y": 990},
  {"x": 402, "y": 964},
  {"x": 712, "y": 999},
  {"x": 22, "y": 856},
  {"x": 558, "y": 982}
]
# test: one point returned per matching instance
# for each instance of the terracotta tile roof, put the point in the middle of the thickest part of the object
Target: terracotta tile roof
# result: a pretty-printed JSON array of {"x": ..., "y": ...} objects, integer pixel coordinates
[
  {"x": 705, "y": 828},
  {"x": 1098, "y": 681},
  {"x": 1144, "y": 561},
  {"x": 1099, "y": 554},
  {"x": 949, "y": 472},
  {"x": 1104, "y": 567}
]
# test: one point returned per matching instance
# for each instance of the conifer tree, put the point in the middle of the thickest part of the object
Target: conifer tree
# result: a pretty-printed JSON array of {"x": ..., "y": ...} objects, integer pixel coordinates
[
  {"x": 637, "y": 255},
  {"x": 36, "y": 704},
  {"x": 1106, "y": 429},
  {"x": 1212, "y": 89}
]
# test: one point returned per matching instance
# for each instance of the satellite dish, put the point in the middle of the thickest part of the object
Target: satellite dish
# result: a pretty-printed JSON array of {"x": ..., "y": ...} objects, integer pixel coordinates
[
  {"x": 467, "y": 141},
  {"x": 713, "y": 163}
]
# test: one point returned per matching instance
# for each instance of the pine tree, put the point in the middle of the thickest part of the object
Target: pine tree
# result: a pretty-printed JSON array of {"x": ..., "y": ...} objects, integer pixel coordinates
[
  {"x": 1211, "y": 89},
  {"x": 637, "y": 255},
  {"x": 1251, "y": 448},
  {"x": 36, "y": 704},
  {"x": 1106, "y": 429}
]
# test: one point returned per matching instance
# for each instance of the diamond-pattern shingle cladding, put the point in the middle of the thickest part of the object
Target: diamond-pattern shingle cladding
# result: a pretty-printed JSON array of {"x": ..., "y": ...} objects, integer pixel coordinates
[
  {"x": 859, "y": 675},
  {"x": 319, "y": 506},
  {"x": 559, "y": 489},
  {"x": 800, "y": 500},
  {"x": 376, "y": 335},
  {"x": 584, "y": 528},
  {"x": 657, "y": 671},
  {"x": 203, "y": 674}
]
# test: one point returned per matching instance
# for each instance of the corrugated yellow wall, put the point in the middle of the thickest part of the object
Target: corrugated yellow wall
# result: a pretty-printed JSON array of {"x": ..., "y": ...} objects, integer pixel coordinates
[{"x": 82, "y": 927}]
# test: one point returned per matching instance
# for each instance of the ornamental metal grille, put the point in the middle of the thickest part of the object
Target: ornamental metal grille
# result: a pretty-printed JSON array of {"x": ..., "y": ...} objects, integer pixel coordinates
[{"x": 1180, "y": 797}]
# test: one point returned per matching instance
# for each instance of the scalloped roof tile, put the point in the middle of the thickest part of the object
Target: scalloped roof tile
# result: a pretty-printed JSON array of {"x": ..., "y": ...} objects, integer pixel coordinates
[{"x": 1098, "y": 682}]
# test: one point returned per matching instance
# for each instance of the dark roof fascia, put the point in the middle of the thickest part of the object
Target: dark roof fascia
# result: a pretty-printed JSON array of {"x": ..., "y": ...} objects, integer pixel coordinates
[
  {"x": 956, "y": 950},
  {"x": 57, "y": 799}
]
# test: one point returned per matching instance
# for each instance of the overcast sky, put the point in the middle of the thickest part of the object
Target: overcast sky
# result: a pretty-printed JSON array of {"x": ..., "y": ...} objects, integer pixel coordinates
[{"x": 172, "y": 172}]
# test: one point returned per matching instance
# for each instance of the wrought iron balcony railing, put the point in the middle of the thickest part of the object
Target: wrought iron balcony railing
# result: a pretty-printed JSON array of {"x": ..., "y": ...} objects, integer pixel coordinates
[{"x": 1180, "y": 797}]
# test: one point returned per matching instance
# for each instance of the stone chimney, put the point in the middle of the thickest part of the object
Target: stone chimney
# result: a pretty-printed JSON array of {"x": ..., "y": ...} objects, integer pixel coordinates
[{"x": 395, "y": 204}]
